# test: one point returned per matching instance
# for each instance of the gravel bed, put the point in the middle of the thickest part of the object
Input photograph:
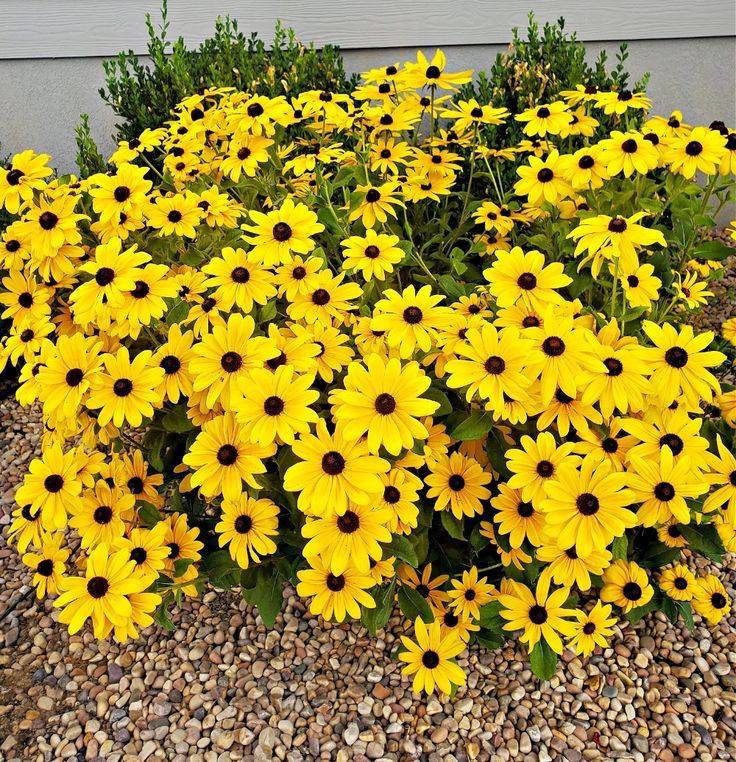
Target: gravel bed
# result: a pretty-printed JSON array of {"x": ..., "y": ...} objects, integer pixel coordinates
[{"x": 222, "y": 687}]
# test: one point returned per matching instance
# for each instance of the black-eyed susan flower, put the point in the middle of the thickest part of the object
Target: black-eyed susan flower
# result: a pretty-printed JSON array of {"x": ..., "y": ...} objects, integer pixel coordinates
[
  {"x": 429, "y": 587},
  {"x": 517, "y": 518},
  {"x": 401, "y": 497},
  {"x": 710, "y": 598},
  {"x": 247, "y": 527},
  {"x": 26, "y": 528},
  {"x": 294, "y": 277},
  {"x": 326, "y": 299},
  {"x": 619, "y": 102},
  {"x": 375, "y": 203},
  {"x": 627, "y": 585},
  {"x": 373, "y": 255},
  {"x": 431, "y": 73},
  {"x": 244, "y": 155},
  {"x": 125, "y": 192},
  {"x": 545, "y": 119},
  {"x": 100, "y": 514},
  {"x": 566, "y": 567},
  {"x": 457, "y": 483},
  {"x": 592, "y": 629},
  {"x": 48, "y": 564},
  {"x": 335, "y": 596},
  {"x": 147, "y": 548},
  {"x": 640, "y": 285},
  {"x": 628, "y": 153},
  {"x": 678, "y": 582},
  {"x": 239, "y": 278},
  {"x": 469, "y": 593},
  {"x": 430, "y": 658},
  {"x": 26, "y": 174},
  {"x": 544, "y": 180},
  {"x": 175, "y": 215},
  {"x": 698, "y": 151}
]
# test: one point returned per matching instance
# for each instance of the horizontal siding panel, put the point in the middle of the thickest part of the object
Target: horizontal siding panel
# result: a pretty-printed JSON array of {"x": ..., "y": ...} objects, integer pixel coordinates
[{"x": 69, "y": 28}]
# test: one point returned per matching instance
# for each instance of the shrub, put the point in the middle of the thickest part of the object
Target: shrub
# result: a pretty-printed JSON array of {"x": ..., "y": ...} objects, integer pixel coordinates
[
  {"x": 143, "y": 96},
  {"x": 328, "y": 360}
]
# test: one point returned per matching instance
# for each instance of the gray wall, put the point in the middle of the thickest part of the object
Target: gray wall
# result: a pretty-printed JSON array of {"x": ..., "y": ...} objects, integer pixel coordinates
[{"x": 43, "y": 98}]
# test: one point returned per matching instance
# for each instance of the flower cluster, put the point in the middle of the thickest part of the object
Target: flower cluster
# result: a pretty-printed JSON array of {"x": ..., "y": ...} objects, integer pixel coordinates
[{"x": 316, "y": 339}]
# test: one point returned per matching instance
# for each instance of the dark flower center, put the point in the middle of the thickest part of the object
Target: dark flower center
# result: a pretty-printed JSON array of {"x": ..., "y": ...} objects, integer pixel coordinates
[
  {"x": 680, "y": 583},
  {"x": 625, "y": 95},
  {"x": 609, "y": 445},
  {"x": 664, "y": 491},
  {"x": 349, "y": 522},
  {"x": 495, "y": 365},
  {"x": 121, "y": 193},
  {"x": 632, "y": 591},
  {"x": 615, "y": 367},
  {"x": 589, "y": 628},
  {"x": 633, "y": 281},
  {"x": 629, "y": 146},
  {"x": 333, "y": 463},
  {"x": 273, "y": 405},
  {"x": 208, "y": 304},
  {"x": 527, "y": 281},
  {"x": 562, "y": 398},
  {"x": 122, "y": 387},
  {"x": 174, "y": 550},
  {"x": 450, "y": 619},
  {"x": 694, "y": 148},
  {"x": 587, "y": 504},
  {"x": 171, "y": 364},
  {"x": 617, "y": 225},
  {"x": 102, "y": 514},
  {"x": 545, "y": 175},
  {"x": 718, "y": 600},
  {"x": 673, "y": 441},
  {"x": 174, "y": 216},
  {"x": 141, "y": 290},
  {"x": 477, "y": 113},
  {"x": 231, "y": 362},
  {"x": 255, "y": 110},
  {"x": 27, "y": 335},
  {"x": 25, "y": 300},
  {"x": 731, "y": 141},
  {"x": 456, "y": 482},
  {"x": 385, "y": 153},
  {"x": 74, "y": 376},
  {"x": 423, "y": 590},
  {"x": 277, "y": 361},
  {"x": 470, "y": 595},
  {"x": 335, "y": 583},
  {"x": 413, "y": 315},
  {"x": 530, "y": 321},
  {"x": 53, "y": 483},
  {"x": 430, "y": 659},
  {"x": 244, "y": 153},
  {"x": 227, "y": 454},
  {"x": 299, "y": 272},
  {"x": 732, "y": 478},
  {"x": 525, "y": 510},
  {"x": 243, "y": 524},
  {"x": 538, "y": 614},
  {"x": 135, "y": 485},
  {"x": 676, "y": 357},
  {"x": 12, "y": 246},
  {"x": 385, "y": 404},
  {"x": 391, "y": 494},
  {"x": 384, "y": 88},
  {"x": 372, "y": 196},
  {"x": 45, "y": 568},
  {"x": 281, "y": 231},
  {"x": 14, "y": 177},
  {"x": 97, "y": 587},
  {"x": 48, "y": 220},
  {"x": 104, "y": 276},
  {"x": 321, "y": 297},
  {"x": 372, "y": 251},
  {"x": 586, "y": 161},
  {"x": 240, "y": 275},
  {"x": 553, "y": 346},
  {"x": 433, "y": 72},
  {"x": 545, "y": 469},
  {"x": 571, "y": 553}
]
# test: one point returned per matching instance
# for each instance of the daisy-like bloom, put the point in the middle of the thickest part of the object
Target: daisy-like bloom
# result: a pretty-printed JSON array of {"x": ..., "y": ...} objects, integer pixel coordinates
[
  {"x": 383, "y": 569},
  {"x": 586, "y": 508},
  {"x": 223, "y": 457},
  {"x": 544, "y": 180},
  {"x": 567, "y": 567},
  {"x": 426, "y": 73},
  {"x": 383, "y": 400},
  {"x": 540, "y": 614},
  {"x": 728, "y": 159},
  {"x": 492, "y": 217},
  {"x": 545, "y": 119},
  {"x": 67, "y": 375},
  {"x": 411, "y": 319},
  {"x": 536, "y": 462},
  {"x": 387, "y": 155},
  {"x": 147, "y": 548},
  {"x": 49, "y": 225},
  {"x": 51, "y": 487},
  {"x": 629, "y": 153},
  {"x": 246, "y": 527},
  {"x": 326, "y": 299},
  {"x": 420, "y": 186},
  {"x": 679, "y": 363},
  {"x": 374, "y": 254},
  {"x": 517, "y": 517},
  {"x": 21, "y": 178},
  {"x": 627, "y": 585},
  {"x": 618, "y": 238},
  {"x": 641, "y": 286},
  {"x": 127, "y": 390},
  {"x": 295, "y": 276},
  {"x": 48, "y": 564},
  {"x": 125, "y": 192},
  {"x": 710, "y": 598},
  {"x": 620, "y": 382},
  {"x": 25, "y": 299},
  {"x": 223, "y": 358},
  {"x": 451, "y": 622},
  {"x": 469, "y": 593},
  {"x": 335, "y": 596},
  {"x": 375, "y": 203},
  {"x": 691, "y": 291},
  {"x": 428, "y": 587},
  {"x": 328, "y": 348},
  {"x": 491, "y": 365},
  {"x": 430, "y": 658},
  {"x": 662, "y": 487},
  {"x": 619, "y": 102},
  {"x": 145, "y": 303},
  {"x": 102, "y": 594},
  {"x": 722, "y": 472},
  {"x": 26, "y": 529},
  {"x": 699, "y": 151},
  {"x": 581, "y": 123},
  {"x": 100, "y": 514},
  {"x": 276, "y": 236},
  {"x": 349, "y": 539},
  {"x": 333, "y": 471},
  {"x": 276, "y": 405},
  {"x": 672, "y": 428},
  {"x": 561, "y": 353},
  {"x": 400, "y": 496},
  {"x": 457, "y": 483},
  {"x": 728, "y": 330},
  {"x": 586, "y": 171},
  {"x": 568, "y": 413},
  {"x": 173, "y": 357},
  {"x": 678, "y": 582},
  {"x": 244, "y": 153},
  {"x": 175, "y": 215},
  {"x": 239, "y": 279},
  {"x": 220, "y": 211},
  {"x": 592, "y": 628},
  {"x": 470, "y": 114},
  {"x": 183, "y": 544}
]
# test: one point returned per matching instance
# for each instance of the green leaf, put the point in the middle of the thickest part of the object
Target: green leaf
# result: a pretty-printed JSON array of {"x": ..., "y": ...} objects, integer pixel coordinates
[
  {"x": 474, "y": 426},
  {"x": 176, "y": 420},
  {"x": 267, "y": 595},
  {"x": 268, "y": 312},
  {"x": 420, "y": 542},
  {"x": 641, "y": 611},
  {"x": 153, "y": 443},
  {"x": 686, "y": 612},
  {"x": 704, "y": 539},
  {"x": 656, "y": 555},
  {"x": 713, "y": 250},
  {"x": 488, "y": 639},
  {"x": 220, "y": 569},
  {"x": 450, "y": 286},
  {"x": 543, "y": 660},
  {"x": 178, "y": 312},
  {"x": 403, "y": 549},
  {"x": 452, "y": 525},
  {"x": 149, "y": 515},
  {"x": 162, "y": 617},
  {"x": 436, "y": 395},
  {"x": 490, "y": 615},
  {"x": 181, "y": 565},
  {"x": 413, "y": 605},
  {"x": 620, "y": 548},
  {"x": 375, "y": 619}
]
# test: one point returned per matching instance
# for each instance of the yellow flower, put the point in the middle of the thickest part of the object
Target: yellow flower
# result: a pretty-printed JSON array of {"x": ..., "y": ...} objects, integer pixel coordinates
[
  {"x": 48, "y": 564},
  {"x": 125, "y": 192},
  {"x": 373, "y": 255},
  {"x": 593, "y": 628},
  {"x": 431, "y": 73},
  {"x": 430, "y": 658},
  {"x": 335, "y": 596},
  {"x": 699, "y": 151},
  {"x": 175, "y": 215},
  {"x": 470, "y": 593},
  {"x": 458, "y": 483},
  {"x": 678, "y": 582},
  {"x": 710, "y": 598},
  {"x": 327, "y": 299},
  {"x": 544, "y": 181},
  {"x": 375, "y": 203},
  {"x": 100, "y": 514},
  {"x": 545, "y": 119},
  {"x": 239, "y": 279},
  {"x": 628, "y": 152},
  {"x": 25, "y": 175},
  {"x": 246, "y": 527},
  {"x": 626, "y": 584}
]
